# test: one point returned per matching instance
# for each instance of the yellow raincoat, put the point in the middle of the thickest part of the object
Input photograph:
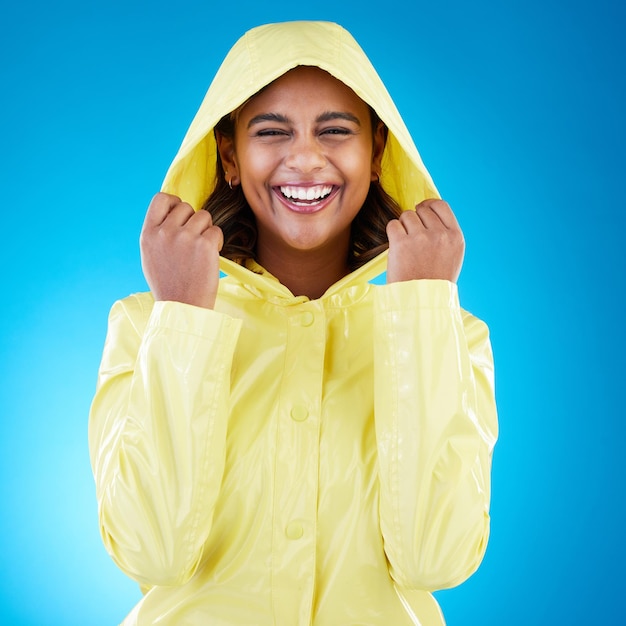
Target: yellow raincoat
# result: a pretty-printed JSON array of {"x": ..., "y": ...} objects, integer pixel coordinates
[{"x": 285, "y": 461}]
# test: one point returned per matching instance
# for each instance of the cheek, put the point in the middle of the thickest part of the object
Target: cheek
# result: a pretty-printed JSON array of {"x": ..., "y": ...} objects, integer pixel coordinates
[
  {"x": 359, "y": 163},
  {"x": 251, "y": 159},
  {"x": 255, "y": 170}
]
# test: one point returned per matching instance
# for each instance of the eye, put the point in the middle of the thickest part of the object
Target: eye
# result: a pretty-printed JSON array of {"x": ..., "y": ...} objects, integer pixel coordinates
[
  {"x": 271, "y": 132},
  {"x": 336, "y": 131}
]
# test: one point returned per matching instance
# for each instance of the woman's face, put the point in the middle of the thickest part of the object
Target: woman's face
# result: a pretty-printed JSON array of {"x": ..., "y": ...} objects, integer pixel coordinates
[{"x": 304, "y": 153}]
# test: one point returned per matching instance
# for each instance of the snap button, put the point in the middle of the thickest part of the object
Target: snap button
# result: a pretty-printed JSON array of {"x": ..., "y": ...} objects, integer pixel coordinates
[
  {"x": 307, "y": 318},
  {"x": 294, "y": 530},
  {"x": 299, "y": 413}
]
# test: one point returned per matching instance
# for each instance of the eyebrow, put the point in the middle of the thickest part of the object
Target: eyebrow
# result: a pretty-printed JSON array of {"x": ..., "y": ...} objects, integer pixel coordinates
[
  {"x": 268, "y": 117},
  {"x": 327, "y": 116}
]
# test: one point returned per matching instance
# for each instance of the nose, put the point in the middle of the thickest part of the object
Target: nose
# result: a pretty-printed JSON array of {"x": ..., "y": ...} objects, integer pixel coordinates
[{"x": 305, "y": 154}]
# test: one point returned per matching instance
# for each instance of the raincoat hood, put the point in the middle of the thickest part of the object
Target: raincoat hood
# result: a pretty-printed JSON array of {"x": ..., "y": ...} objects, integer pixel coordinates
[
  {"x": 262, "y": 55},
  {"x": 259, "y": 57}
]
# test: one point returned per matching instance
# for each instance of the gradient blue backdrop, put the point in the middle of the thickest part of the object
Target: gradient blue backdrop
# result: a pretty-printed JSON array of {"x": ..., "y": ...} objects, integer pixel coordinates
[{"x": 518, "y": 111}]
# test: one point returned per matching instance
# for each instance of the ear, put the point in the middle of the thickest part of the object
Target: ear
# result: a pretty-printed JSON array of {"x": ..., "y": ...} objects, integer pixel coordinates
[
  {"x": 226, "y": 149},
  {"x": 379, "y": 142}
]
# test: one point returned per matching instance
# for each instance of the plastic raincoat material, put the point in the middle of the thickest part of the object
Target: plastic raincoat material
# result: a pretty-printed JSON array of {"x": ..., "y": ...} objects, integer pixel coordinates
[{"x": 287, "y": 461}]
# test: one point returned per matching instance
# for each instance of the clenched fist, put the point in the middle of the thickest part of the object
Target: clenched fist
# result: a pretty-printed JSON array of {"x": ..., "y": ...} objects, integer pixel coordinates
[
  {"x": 425, "y": 243},
  {"x": 180, "y": 252}
]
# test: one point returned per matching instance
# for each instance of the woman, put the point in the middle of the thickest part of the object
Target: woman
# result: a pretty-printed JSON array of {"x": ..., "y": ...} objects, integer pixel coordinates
[{"x": 291, "y": 444}]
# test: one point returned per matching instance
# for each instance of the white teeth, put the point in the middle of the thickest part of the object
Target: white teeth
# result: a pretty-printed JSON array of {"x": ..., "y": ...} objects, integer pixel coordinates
[{"x": 317, "y": 192}]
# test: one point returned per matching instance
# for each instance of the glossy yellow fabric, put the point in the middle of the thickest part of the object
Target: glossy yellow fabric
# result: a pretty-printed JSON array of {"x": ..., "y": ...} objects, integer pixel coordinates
[
  {"x": 262, "y": 55},
  {"x": 281, "y": 461}
]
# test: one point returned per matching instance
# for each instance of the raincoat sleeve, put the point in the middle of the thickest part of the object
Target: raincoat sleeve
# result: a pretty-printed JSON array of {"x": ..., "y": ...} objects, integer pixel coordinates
[
  {"x": 436, "y": 426},
  {"x": 157, "y": 433}
]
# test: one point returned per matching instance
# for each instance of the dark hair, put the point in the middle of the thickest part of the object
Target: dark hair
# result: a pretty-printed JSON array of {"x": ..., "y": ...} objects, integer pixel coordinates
[{"x": 230, "y": 211}]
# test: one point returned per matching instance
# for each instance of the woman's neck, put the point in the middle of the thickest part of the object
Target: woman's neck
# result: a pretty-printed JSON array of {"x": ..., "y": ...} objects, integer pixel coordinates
[{"x": 305, "y": 273}]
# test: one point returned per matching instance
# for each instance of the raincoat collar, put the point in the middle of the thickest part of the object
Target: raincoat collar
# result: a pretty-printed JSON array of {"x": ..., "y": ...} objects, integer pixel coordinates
[{"x": 259, "y": 281}]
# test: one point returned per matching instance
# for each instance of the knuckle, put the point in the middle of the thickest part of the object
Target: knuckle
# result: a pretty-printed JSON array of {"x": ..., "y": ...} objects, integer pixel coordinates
[
  {"x": 440, "y": 204},
  {"x": 392, "y": 227},
  {"x": 157, "y": 199},
  {"x": 163, "y": 196},
  {"x": 457, "y": 237},
  {"x": 214, "y": 235},
  {"x": 205, "y": 215}
]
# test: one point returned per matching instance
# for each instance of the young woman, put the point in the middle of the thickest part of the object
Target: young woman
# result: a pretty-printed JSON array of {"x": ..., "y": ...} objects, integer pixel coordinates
[{"x": 291, "y": 444}]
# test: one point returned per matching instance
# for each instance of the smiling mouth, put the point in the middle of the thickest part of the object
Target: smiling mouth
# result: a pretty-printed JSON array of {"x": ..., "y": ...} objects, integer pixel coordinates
[{"x": 306, "y": 196}]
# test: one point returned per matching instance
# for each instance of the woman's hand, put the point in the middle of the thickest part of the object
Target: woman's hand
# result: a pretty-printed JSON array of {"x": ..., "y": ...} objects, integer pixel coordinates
[
  {"x": 425, "y": 243},
  {"x": 180, "y": 252}
]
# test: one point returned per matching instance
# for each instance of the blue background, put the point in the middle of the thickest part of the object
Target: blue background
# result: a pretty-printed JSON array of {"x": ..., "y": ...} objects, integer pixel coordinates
[{"x": 518, "y": 111}]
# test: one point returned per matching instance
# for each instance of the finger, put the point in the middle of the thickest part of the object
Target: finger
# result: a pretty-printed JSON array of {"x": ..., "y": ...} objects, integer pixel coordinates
[
  {"x": 440, "y": 209},
  {"x": 395, "y": 230},
  {"x": 159, "y": 209},
  {"x": 215, "y": 235},
  {"x": 412, "y": 221},
  {"x": 196, "y": 223},
  {"x": 180, "y": 214},
  {"x": 445, "y": 214},
  {"x": 429, "y": 218}
]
